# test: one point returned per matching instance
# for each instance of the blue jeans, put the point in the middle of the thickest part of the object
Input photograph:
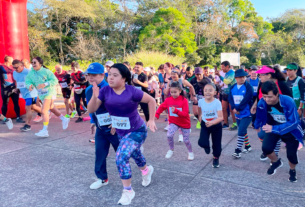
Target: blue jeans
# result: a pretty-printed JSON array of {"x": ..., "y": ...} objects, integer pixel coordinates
[{"x": 243, "y": 124}]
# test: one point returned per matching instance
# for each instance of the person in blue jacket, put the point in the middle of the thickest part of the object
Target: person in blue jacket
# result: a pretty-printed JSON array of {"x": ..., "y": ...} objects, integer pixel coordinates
[
  {"x": 104, "y": 135},
  {"x": 278, "y": 116},
  {"x": 240, "y": 98}
]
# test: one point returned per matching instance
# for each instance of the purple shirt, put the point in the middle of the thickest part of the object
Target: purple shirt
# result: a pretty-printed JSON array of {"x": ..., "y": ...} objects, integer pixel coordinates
[{"x": 124, "y": 105}]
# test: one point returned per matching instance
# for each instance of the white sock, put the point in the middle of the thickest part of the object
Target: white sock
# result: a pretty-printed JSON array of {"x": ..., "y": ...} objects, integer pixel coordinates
[
  {"x": 45, "y": 128},
  {"x": 61, "y": 117}
]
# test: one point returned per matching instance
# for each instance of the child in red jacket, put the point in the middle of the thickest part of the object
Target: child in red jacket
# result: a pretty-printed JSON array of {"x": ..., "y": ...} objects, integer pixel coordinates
[{"x": 178, "y": 109}]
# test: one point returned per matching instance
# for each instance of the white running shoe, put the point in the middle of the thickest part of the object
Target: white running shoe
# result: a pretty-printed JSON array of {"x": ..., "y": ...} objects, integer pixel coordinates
[
  {"x": 127, "y": 197},
  {"x": 97, "y": 184},
  {"x": 146, "y": 179},
  {"x": 42, "y": 133},
  {"x": 191, "y": 156},
  {"x": 65, "y": 123},
  {"x": 9, "y": 123},
  {"x": 169, "y": 154},
  {"x": 166, "y": 128},
  {"x": 180, "y": 138},
  {"x": 194, "y": 118},
  {"x": 37, "y": 119}
]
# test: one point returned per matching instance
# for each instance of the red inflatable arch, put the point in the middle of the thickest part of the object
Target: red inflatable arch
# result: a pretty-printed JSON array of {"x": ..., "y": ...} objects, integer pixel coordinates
[{"x": 14, "y": 39}]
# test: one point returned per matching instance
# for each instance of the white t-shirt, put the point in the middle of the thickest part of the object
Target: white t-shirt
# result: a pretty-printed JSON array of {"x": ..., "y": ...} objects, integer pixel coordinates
[
  {"x": 222, "y": 74},
  {"x": 209, "y": 110}
]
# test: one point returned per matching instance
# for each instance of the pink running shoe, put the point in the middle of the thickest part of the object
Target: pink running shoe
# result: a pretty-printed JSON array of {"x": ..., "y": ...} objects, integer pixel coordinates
[{"x": 37, "y": 119}]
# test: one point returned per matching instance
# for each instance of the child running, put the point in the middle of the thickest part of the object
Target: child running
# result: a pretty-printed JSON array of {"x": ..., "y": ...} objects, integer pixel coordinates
[
  {"x": 178, "y": 108},
  {"x": 210, "y": 117}
]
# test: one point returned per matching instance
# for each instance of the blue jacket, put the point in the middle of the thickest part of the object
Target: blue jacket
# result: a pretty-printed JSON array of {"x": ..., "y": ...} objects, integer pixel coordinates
[
  {"x": 101, "y": 109},
  {"x": 292, "y": 125},
  {"x": 246, "y": 90},
  {"x": 161, "y": 79}
]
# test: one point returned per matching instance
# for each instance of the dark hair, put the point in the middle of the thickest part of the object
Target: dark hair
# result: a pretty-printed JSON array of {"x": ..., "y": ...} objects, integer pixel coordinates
[
  {"x": 139, "y": 63},
  {"x": 7, "y": 57},
  {"x": 75, "y": 64},
  {"x": 161, "y": 67},
  {"x": 176, "y": 84},
  {"x": 126, "y": 63},
  {"x": 270, "y": 86},
  {"x": 169, "y": 65},
  {"x": 188, "y": 68},
  {"x": 226, "y": 63},
  {"x": 203, "y": 82},
  {"x": 124, "y": 71},
  {"x": 40, "y": 60},
  {"x": 211, "y": 84},
  {"x": 177, "y": 66},
  {"x": 184, "y": 62},
  {"x": 206, "y": 67},
  {"x": 278, "y": 75},
  {"x": 17, "y": 62}
]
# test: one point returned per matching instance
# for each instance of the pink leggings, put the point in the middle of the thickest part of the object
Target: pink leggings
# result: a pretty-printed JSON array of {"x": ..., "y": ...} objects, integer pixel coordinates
[{"x": 185, "y": 132}]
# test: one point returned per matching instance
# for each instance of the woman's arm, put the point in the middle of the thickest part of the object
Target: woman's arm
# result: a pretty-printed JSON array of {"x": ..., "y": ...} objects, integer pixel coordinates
[{"x": 94, "y": 102}]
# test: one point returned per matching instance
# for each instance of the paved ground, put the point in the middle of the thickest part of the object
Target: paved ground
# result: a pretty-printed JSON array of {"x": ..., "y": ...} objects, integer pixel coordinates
[{"x": 57, "y": 171}]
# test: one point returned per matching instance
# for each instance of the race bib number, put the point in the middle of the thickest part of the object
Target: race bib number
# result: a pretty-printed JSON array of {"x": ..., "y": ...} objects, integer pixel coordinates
[
  {"x": 64, "y": 85},
  {"x": 20, "y": 85},
  {"x": 139, "y": 87},
  {"x": 76, "y": 86},
  {"x": 120, "y": 122},
  {"x": 171, "y": 112},
  {"x": 279, "y": 118},
  {"x": 43, "y": 92},
  {"x": 103, "y": 119},
  {"x": 255, "y": 89},
  {"x": 238, "y": 99}
]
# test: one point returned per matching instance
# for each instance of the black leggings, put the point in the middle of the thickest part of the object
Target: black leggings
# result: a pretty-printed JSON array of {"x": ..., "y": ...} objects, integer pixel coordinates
[
  {"x": 144, "y": 107},
  {"x": 292, "y": 145},
  {"x": 6, "y": 94},
  {"x": 204, "y": 139},
  {"x": 77, "y": 98}
]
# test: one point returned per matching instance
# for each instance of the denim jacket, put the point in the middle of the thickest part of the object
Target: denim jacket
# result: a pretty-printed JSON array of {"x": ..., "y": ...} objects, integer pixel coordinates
[{"x": 292, "y": 125}]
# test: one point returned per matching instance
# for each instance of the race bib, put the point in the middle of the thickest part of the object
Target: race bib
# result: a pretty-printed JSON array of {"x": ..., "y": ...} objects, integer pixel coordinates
[
  {"x": 64, "y": 84},
  {"x": 76, "y": 86},
  {"x": 171, "y": 112},
  {"x": 103, "y": 119},
  {"x": 20, "y": 85},
  {"x": 279, "y": 118},
  {"x": 255, "y": 89},
  {"x": 120, "y": 122},
  {"x": 43, "y": 92},
  {"x": 139, "y": 87},
  {"x": 238, "y": 99}
]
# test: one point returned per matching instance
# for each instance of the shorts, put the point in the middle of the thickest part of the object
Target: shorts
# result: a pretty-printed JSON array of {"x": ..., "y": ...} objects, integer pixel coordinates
[
  {"x": 30, "y": 101},
  {"x": 225, "y": 97},
  {"x": 66, "y": 93}
]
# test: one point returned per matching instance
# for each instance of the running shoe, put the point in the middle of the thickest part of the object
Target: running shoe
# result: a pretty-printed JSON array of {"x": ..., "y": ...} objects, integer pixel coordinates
[
  {"x": 92, "y": 140},
  {"x": 169, "y": 154},
  {"x": 146, "y": 179},
  {"x": 127, "y": 197},
  {"x": 274, "y": 166},
  {"x": 224, "y": 126},
  {"x": 65, "y": 123},
  {"x": 99, "y": 183},
  {"x": 191, "y": 156},
  {"x": 73, "y": 114},
  {"x": 20, "y": 120},
  {"x": 247, "y": 149},
  {"x": 80, "y": 119},
  {"x": 37, "y": 119},
  {"x": 67, "y": 116},
  {"x": 292, "y": 176},
  {"x": 180, "y": 138},
  {"x": 25, "y": 128},
  {"x": 263, "y": 157},
  {"x": 42, "y": 133},
  {"x": 237, "y": 153},
  {"x": 300, "y": 146},
  {"x": 9, "y": 123},
  {"x": 166, "y": 128},
  {"x": 215, "y": 163},
  {"x": 233, "y": 127},
  {"x": 198, "y": 125},
  {"x": 194, "y": 118}
]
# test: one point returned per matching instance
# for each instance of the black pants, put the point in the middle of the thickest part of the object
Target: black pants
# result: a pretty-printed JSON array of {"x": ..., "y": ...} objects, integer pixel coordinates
[
  {"x": 6, "y": 94},
  {"x": 77, "y": 98},
  {"x": 292, "y": 145},
  {"x": 144, "y": 107},
  {"x": 204, "y": 139}
]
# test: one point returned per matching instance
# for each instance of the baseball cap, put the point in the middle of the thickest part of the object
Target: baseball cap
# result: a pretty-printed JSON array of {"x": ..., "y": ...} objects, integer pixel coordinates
[
  {"x": 109, "y": 63},
  {"x": 292, "y": 66},
  {"x": 198, "y": 70},
  {"x": 265, "y": 69},
  {"x": 147, "y": 69},
  {"x": 95, "y": 68}
]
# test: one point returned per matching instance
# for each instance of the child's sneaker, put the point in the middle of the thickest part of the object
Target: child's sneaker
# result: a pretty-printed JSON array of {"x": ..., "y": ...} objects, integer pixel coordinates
[
  {"x": 237, "y": 153},
  {"x": 198, "y": 126},
  {"x": 169, "y": 154},
  {"x": 215, "y": 163},
  {"x": 180, "y": 138},
  {"x": 247, "y": 149},
  {"x": 191, "y": 156}
]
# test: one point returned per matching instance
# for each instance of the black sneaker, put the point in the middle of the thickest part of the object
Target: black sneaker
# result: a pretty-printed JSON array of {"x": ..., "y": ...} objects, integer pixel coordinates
[
  {"x": 215, "y": 163},
  {"x": 20, "y": 120},
  {"x": 233, "y": 127},
  {"x": 207, "y": 150},
  {"x": 247, "y": 149},
  {"x": 274, "y": 166},
  {"x": 237, "y": 153},
  {"x": 79, "y": 120},
  {"x": 263, "y": 157},
  {"x": 224, "y": 126},
  {"x": 293, "y": 176},
  {"x": 25, "y": 128}
]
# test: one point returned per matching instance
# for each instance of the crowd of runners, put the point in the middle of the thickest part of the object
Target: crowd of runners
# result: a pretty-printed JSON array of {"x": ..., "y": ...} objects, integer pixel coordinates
[{"x": 269, "y": 99}]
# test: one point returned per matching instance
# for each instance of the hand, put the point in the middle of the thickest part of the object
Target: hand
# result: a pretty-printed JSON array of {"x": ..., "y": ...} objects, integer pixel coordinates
[
  {"x": 217, "y": 72},
  {"x": 209, "y": 123},
  {"x": 253, "y": 109},
  {"x": 258, "y": 130},
  {"x": 152, "y": 125},
  {"x": 41, "y": 86},
  {"x": 31, "y": 88},
  {"x": 194, "y": 99},
  {"x": 267, "y": 128},
  {"x": 135, "y": 80},
  {"x": 92, "y": 127},
  {"x": 152, "y": 90},
  {"x": 95, "y": 90},
  {"x": 15, "y": 90},
  {"x": 236, "y": 112},
  {"x": 112, "y": 131},
  {"x": 173, "y": 109}
]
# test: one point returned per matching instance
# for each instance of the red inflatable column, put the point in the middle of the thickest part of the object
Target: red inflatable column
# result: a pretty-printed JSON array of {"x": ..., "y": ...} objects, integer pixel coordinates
[{"x": 13, "y": 36}]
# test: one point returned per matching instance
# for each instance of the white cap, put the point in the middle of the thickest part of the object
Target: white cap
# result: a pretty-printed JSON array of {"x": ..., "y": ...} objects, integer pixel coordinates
[
  {"x": 109, "y": 63},
  {"x": 147, "y": 69},
  {"x": 212, "y": 70}
]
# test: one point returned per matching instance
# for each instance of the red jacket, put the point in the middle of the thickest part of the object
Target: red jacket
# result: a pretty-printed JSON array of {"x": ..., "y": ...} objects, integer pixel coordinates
[{"x": 180, "y": 116}]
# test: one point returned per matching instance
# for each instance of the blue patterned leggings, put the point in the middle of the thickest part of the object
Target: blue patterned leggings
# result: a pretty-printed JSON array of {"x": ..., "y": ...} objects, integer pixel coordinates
[{"x": 130, "y": 147}]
